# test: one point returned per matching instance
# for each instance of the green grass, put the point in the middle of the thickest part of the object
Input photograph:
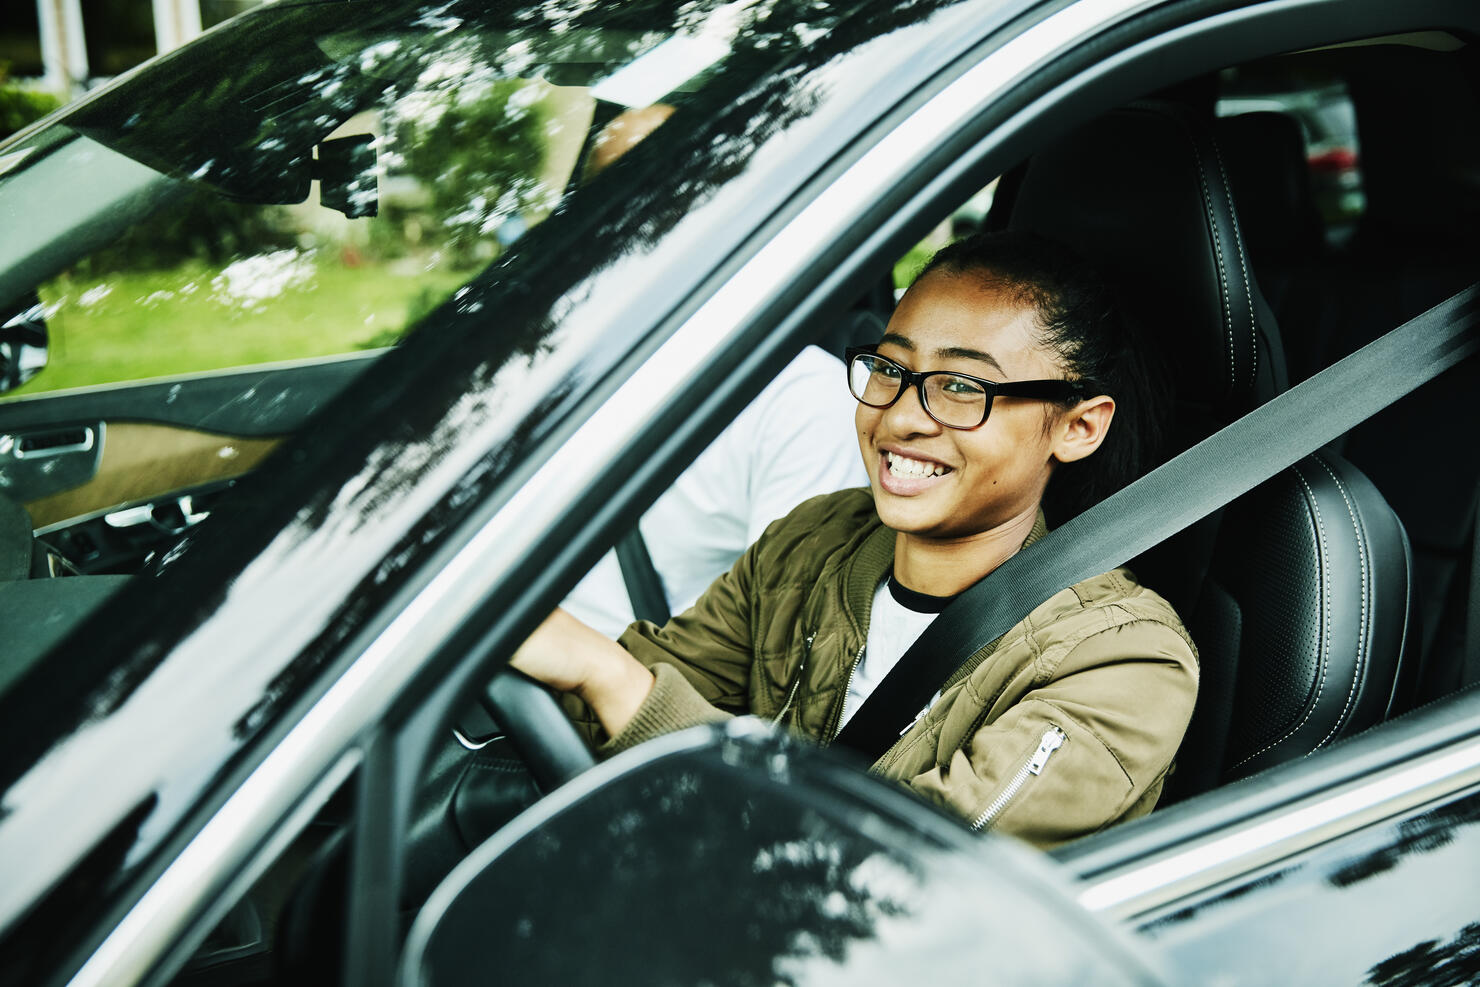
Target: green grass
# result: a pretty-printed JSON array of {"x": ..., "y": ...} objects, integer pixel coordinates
[{"x": 138, "y": 325}]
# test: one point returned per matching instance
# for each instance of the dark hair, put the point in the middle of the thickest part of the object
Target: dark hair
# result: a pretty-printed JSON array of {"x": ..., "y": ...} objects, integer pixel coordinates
[{"x": 1079, "y": 320}]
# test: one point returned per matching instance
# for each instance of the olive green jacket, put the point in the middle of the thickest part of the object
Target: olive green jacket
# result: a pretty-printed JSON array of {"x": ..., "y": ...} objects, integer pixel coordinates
[{"x": 1064, "y": 725}]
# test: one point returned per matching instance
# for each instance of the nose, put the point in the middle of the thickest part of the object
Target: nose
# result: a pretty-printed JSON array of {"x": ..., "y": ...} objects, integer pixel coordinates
[{"x": 907, "y": 415}]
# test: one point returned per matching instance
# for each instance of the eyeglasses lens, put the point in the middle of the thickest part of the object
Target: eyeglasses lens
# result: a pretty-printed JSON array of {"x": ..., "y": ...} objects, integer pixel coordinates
[
  {"x": 874, "y": 381},
  {"x": 958, "y": 402},
  {"x": 955, "y": 401}
]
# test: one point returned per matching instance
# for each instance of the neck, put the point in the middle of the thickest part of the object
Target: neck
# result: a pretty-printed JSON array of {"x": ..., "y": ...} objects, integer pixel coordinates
[{"x": 945, "y": 567}]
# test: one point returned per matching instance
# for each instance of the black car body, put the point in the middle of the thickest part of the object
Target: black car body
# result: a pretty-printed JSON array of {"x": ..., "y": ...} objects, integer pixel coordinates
[{"x": 228, "y": 752}]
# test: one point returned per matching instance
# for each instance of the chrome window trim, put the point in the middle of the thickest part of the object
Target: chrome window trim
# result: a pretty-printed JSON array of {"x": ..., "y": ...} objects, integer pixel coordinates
[
  {"x": 1281, "y": 833},
  {"x": 214, "y": 859}
]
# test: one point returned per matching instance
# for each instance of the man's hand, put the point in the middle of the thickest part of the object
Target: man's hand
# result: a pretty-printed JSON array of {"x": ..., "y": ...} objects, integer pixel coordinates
[{"x": 568, "y": 656}]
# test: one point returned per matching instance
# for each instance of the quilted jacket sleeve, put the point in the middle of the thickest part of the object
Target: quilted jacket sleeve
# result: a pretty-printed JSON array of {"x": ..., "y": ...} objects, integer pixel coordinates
[{"x": 710, "y": 681}]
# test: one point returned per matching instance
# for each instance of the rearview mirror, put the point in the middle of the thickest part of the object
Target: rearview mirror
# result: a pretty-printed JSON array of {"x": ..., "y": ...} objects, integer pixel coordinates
[{"x": 345, "y": 168}]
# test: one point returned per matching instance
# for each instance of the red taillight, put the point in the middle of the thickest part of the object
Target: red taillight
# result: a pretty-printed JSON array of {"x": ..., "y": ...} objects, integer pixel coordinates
[{"x": 1336, "y": 159}]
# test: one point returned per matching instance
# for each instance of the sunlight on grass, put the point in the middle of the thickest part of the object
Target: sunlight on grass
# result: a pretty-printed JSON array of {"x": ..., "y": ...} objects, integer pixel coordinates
[{"x": 137, "y": 325}]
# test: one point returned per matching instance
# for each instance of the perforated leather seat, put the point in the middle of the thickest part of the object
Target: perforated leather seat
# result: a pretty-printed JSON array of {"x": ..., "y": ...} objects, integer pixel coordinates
[
  {"x": 1308, "y": 613},
  {"x": 1299, "y": 595}
]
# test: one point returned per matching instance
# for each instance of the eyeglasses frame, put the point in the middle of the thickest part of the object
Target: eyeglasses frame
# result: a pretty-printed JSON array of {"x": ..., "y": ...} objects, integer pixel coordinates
[{"x": 1049, "y": 389}]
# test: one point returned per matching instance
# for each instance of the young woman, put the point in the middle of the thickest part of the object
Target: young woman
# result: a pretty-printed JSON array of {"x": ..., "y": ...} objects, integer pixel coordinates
[{"x": 996, "y": 384}]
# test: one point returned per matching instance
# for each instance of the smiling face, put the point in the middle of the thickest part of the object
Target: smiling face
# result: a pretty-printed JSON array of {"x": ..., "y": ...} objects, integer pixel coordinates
[{"x": 941, "y": 483}]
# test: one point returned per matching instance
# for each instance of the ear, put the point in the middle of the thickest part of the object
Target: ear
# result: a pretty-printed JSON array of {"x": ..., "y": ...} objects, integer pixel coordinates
[{"x": 1080, "y": 430}]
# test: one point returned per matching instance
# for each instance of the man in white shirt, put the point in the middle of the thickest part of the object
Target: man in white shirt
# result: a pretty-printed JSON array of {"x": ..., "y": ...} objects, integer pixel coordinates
[{"x": 794, "y": 441}]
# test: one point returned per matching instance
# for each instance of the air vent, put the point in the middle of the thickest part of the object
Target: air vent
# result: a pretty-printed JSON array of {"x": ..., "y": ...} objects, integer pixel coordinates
[{"x": 54, "y": 442}]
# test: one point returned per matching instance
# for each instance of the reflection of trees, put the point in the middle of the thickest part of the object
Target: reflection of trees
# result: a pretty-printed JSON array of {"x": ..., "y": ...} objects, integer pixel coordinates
[
  {"x": 196, "y": 225},
  {"x": 683, "y": 877},
  {"x": 1432, "y": 963},
  {"x": 1224, "y": 897},
  {"x": 1421, "y": 834},
  {"x": 411, "y": 409},
  {"x": 477, "y": 158},
  {"x": 623, "y": 211}
]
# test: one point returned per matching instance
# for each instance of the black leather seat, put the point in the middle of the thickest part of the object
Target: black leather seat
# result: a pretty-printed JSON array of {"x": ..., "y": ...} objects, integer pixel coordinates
[
  {"x": 37, "y": 611},
  {"x": 1142, "y": 193},
  {"x": 1309, "y": 614},
  {"x": 1299, "y": 595},
  {"x": 16, "y": 543},
  {"x": 1283, "y": 231}
]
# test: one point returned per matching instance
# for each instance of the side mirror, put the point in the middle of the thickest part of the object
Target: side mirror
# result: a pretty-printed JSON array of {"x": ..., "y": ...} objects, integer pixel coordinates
[{"x": 22, "y": 345}]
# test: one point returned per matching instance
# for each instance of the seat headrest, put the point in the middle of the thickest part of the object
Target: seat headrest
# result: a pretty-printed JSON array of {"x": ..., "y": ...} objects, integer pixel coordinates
[
  {"x": 1143, "y": 194},
  {"x": 1265, "y": 155}
]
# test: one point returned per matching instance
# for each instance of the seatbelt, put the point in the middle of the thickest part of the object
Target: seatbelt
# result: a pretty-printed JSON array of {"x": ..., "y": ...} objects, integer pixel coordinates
[
  {"x": 1171, "y": 497},
  {"x": 644, "y": 587}
]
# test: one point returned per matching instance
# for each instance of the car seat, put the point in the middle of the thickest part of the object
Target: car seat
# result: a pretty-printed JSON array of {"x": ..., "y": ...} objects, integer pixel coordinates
[
  {"x": 15, "y": 540},
  {"x": 1414, "y": 247},
  {"x": 1299, "y": 595},
  {"x": 1283, "y": 231}
]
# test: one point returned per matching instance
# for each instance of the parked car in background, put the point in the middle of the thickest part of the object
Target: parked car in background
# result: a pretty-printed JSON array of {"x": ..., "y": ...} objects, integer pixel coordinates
[
  {"x": 329, "y": 368},
  {"x": 1328, "y": 130}
]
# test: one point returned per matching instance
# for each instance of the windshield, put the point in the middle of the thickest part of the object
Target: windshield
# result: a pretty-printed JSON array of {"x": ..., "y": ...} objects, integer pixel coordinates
[
  {"x": 329, "y": 281},
  {"x": 335, "y": 187}
]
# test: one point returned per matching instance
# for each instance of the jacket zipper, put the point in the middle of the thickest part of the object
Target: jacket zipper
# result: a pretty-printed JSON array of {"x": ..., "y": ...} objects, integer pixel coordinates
[
  {"x": 1053, "y": 738},
  {"x": 837, "y": 710},
  {"x": 796, "y": 683}
]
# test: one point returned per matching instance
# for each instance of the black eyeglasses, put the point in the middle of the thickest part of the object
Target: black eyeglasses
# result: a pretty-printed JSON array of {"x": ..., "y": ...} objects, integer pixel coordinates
[{"x": 955, "y": 400}]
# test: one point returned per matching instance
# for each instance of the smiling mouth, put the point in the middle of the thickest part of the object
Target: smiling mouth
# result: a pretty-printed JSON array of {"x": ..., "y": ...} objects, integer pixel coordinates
[{"x": 913, "y": 469}]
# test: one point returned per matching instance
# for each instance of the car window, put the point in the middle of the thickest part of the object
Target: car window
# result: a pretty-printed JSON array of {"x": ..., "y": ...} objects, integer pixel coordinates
[
  {"x": 532, "y": 338},
  {"x": 348, "y": 189},
  {"x": 1320, "y": 105},
  {"x": 435, "y": 179}
]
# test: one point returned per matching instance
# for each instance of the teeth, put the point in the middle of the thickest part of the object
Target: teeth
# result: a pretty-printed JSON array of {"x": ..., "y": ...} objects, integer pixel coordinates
[{"x": 913, "y": 468}]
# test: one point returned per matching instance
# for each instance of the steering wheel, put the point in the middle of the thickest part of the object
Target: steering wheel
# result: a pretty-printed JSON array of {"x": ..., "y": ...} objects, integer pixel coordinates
[{"x": 538, "y": 729}]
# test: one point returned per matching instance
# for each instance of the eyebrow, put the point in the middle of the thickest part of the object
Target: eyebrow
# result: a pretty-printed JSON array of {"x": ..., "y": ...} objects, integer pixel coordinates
[{"x": 947, "y": 352}]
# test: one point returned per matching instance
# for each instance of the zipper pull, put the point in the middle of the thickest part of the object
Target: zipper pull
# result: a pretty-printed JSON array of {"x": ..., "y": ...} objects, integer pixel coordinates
[
  {"x": 797, "y": 680},
  {"x": 918, "y": 717},
  {"x": 1053, "y": 739}
]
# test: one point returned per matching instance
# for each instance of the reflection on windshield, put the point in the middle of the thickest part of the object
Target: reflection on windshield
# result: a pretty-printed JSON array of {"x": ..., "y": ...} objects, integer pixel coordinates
[
  {"x": 228, "y": 251},
  {"x": 237, "y": 261}
]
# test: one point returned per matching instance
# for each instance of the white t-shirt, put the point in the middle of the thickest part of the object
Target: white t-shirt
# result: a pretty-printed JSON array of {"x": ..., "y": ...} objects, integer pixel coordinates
[
  {"x": 794, "y": 441},
  {"x": 898, "y": 617}
]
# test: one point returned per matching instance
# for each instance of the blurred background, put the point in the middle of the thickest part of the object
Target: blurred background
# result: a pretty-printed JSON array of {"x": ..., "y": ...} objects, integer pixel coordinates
[{"x": 54, "y": 50}]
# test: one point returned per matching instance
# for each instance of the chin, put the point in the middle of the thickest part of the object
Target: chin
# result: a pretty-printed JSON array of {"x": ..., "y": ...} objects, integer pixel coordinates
[{"x": 908, "y": 519}]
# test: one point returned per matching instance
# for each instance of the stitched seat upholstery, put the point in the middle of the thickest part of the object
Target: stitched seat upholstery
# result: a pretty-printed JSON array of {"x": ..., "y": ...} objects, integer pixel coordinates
[
  {"x": 1298, "y": 595},
  {"x": 1308, "y": 613}
]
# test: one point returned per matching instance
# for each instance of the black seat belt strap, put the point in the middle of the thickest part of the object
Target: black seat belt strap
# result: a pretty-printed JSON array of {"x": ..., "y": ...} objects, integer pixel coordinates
[
  {"x": 644, "y": 587},
  {"x": 1171, "y": 497}
]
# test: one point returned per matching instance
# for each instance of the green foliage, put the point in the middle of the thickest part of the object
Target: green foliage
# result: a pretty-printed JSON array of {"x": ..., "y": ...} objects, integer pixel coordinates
[
  {"x": 201, "y": 226},
  {"x": 20, "y": 106},
  {"x": 908, "y": 266},
  {"x": 477, "y": 151}
]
